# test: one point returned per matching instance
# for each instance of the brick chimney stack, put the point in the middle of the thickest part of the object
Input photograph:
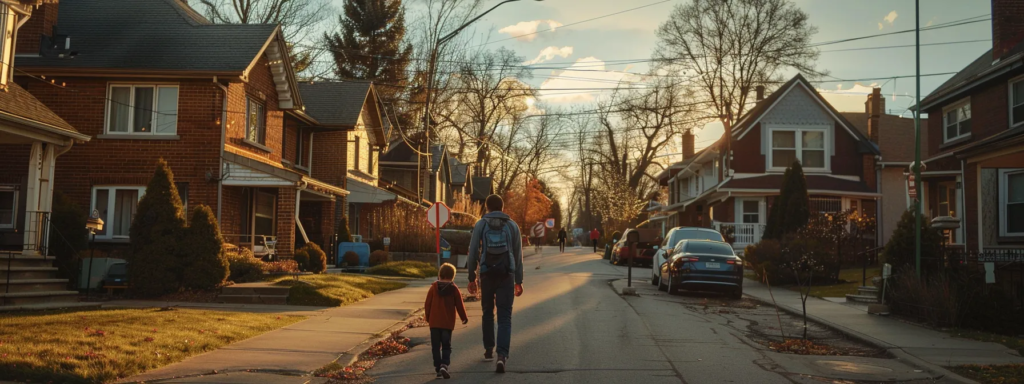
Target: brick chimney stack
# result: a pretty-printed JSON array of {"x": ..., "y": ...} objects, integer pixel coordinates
[
  {"x": 688, "y": 140},
  {"x": 1007, "y": 26},
  {"x": 760, "y": 92},
  {"x": 875, "y": 108},
  {"x": 41, "y": 23}
]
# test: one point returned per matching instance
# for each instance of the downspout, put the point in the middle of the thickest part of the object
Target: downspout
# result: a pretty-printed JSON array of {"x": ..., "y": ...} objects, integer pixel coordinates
[
  {"x": 963, "y": 206},
  {"x": 878, "y": 203},
  {"x": 298, "y": 193},
  {"x": 220, "y": 157}
]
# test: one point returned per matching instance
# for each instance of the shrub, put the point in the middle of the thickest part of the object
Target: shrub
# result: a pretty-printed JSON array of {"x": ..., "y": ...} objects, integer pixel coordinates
[
  {"x": 281, "y": 267},
  {"x": 203, "y": 258},
  {"x": 351, "y": 258},
  {"x": 155, "y": 266},
  {"x": 68, "y": 236},
  {"x": 317, "y": 258},
  {"x": 244, "y": 266},
  {"x": 416, "y": 269},
  {"x": 791, "y": 209},
  {"x": 344, "y": 236},
  {"x": 766, "y": 258},
  {"x": 899, "y": 251},
  {"x": 378, "y": 257},
  {"x": 301, "y": 258}
]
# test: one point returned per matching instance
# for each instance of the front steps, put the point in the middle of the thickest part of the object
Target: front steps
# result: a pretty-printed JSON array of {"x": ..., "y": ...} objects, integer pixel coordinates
[
  {"x": 27, "y": 281},
  {"x": 866, "y": 295}
]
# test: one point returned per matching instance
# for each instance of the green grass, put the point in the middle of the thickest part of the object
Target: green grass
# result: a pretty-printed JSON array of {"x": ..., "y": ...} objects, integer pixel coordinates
[
  {"x": 992, "y": 374},
  {"x": 414, "y": 269},
  {"x": 99, "y": 346},
  {"x": 1012, "y": 342},
  {"x": 334, "y": 290},
  {"x": 852, "y": 276}
]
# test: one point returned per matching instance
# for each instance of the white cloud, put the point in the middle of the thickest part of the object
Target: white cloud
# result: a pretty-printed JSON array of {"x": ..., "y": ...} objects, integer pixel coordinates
[
  {"x": 890, "y": 18},
  {"x": 848, "y": 100},
  {"x": 586, "y": 74},
  {"x": 528, "y": 27},
  {"x": 550, "y": 53},
  {"x": 930, "y": 22},
  {"x": 880, "y": 26}
]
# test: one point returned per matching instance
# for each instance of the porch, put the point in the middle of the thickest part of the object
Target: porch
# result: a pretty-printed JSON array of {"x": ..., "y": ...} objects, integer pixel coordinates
[{"x": 750, "y": 215}]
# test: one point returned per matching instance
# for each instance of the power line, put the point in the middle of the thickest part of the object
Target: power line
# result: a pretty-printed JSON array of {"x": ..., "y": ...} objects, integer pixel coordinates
[{"x": 576, "y": 23}]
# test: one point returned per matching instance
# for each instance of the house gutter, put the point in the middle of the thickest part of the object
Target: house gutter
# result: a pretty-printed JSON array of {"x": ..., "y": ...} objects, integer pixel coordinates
[{"x": 220, "y": 157}]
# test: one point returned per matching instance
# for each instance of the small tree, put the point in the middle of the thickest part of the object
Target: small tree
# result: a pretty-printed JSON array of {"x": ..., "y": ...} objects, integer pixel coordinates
[
  {"x": 791, "y": 208},
  {"x": 807, "y": 259},
  {"x": 317, "y": 258},
  {"x": 204, "y": 261},
  {"x": 899, "y": 251},
  {"x": 68, "y": 236},
  {"x": 156, "y": 230}
]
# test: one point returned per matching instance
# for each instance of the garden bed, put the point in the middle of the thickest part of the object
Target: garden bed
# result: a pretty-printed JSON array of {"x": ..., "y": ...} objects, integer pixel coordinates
[
  {"x": 103, "y": 345},
  {"x": 334, "y": 290}
]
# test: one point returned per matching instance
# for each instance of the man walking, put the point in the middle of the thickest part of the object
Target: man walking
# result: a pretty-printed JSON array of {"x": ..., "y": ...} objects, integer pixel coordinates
[
  {"x": 561, "y": 240},
  {"x": 594, "y": 236},
  {"x": 497, "y": 249}
]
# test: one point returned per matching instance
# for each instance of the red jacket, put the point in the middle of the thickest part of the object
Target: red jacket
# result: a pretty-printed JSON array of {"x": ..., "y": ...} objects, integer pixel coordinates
[
  {"x": 443, "y": 300},
  {"x": 594, "y": 235}
]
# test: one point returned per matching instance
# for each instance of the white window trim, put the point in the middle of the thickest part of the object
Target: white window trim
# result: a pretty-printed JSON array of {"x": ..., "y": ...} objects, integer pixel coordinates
[
  {"x": 111, "y": 199},
  {"x": 1009, "y": 98},
  {"x": 799, "y": 144},
  {"x": 132, "y": 108},
  {"x": 262, "y": 139},
  {"x": 7, "y": 27},
  {"x": 14, "y": 207},
  {"x": 761, "y": 208},
  {"x": 1003, "y": 195},
  {"x": 945, "y": 112}
]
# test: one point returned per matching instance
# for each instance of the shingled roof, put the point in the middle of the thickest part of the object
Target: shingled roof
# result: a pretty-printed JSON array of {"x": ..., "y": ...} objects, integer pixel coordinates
[
  {"x": 17, "y": 105},
  {"x": 335, "y": 102},
  {"x": 154, "y": 35},
  {"x": 895, "y": 135},
  {"x": 983, "y": 65}
]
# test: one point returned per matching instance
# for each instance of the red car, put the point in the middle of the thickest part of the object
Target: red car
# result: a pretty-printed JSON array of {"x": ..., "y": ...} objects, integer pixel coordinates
[{"x": 646, "y": 242}]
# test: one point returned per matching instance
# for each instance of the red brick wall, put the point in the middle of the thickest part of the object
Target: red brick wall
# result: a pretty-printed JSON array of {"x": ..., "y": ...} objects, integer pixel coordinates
[
  {"x": 330, "y": 157},
  {"x": 1007, "y": 26},
  {"x": 40, "y": 23},
  {"x": 261, "y": 88},
  {"x": 747, "y": 157},
  {"x": 286, "y": 222},
  {"x": 870, "y": 177},
  {"x": 989, "y": 116},
  {"x": 845, "y": 159}
]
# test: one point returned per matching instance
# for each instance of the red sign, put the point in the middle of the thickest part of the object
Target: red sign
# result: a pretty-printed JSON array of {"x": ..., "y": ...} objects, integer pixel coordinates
[{"x": 911, "y": 187}]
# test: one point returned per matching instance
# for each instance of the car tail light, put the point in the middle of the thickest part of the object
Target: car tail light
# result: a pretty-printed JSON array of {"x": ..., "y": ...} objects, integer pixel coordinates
[{"x": 691, "y": 259}]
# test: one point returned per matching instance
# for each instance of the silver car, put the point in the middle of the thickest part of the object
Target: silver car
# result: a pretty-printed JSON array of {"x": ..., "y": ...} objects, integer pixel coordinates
[{"x": 674, "y": 236}]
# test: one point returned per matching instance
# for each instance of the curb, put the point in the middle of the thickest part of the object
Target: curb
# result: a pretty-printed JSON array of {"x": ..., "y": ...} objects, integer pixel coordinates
[
  {"x": 937, "y": 371},
  {"x": 357, "y": 350}
]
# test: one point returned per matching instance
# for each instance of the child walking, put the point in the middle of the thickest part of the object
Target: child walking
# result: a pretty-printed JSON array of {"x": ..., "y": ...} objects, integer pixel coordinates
[{"x": 443, "y": 300}]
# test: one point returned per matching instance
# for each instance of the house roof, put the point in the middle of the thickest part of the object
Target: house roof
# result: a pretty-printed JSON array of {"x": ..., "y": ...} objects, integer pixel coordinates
[
  {"x": 773, "y": 182},
  {"x": 437, "y": 152},
  {"x": 16, "y": 102},
  {"x": 482, "y": 187},
  {"x": 459, "y": 171},
  {"x": 336, "y": 102},
  {"x": 984, "y": 64},
  {"x": 895, "y": 135},
  {"x": 154, "y": 35}
]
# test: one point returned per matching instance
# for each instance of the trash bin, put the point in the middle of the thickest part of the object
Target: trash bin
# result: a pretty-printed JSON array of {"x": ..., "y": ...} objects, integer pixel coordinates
[{"x": 607, "y": 251}]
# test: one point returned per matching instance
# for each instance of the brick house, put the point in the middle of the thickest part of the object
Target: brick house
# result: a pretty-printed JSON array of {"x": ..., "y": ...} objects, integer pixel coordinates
[
  {"x": 974, "y": 168},
  {"x": 793, "y": 123},
  {"x": 153, "y": 79}
]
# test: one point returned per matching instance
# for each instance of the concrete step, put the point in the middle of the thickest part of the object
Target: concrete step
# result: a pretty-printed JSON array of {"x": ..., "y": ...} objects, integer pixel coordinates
[
  {"x": 253, "y": 299},
  {"x": 26, "y": 261},
  {"x": 49, "y": 306},
  {"x": 21, "y": 273},
  {"x": 254, "y": 290},
  {"x": 862, "y": 298},
  {"x": 40, "y": 297},
  {"x": 867, "y": 291},
  {"x": 33, "y": 285}
]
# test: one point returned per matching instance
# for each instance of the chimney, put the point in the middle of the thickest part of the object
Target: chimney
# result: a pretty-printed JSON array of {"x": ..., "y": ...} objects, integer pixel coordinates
[
  {"x": 760, "y": 92},
  {"x": 874, "y": 108},
  {"x": 40, "y": 24},
  {"x": 1007, "y": 26},
  {"x": 687, "y": 144}
]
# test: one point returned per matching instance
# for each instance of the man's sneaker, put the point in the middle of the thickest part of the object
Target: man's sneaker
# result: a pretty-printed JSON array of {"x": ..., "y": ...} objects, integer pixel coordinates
[
  {"x": 439, "y": 375},
  {"x": 488, "y": 355},
  {"x": 501, "y": 365},
  {"x": 444, "y": 372}
]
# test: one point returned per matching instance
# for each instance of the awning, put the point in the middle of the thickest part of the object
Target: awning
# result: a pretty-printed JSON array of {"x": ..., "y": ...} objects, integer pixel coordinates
[
  {"x": 361, "y": 192},
  {"x": 244, "y": 172}
]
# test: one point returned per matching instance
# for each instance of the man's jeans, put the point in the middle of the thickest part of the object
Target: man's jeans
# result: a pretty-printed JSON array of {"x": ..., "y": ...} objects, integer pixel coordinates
[
  {"x": 497, "y": 290},
  {"x": 441, "y": 346},
  {"x": 595, "y": 244}
]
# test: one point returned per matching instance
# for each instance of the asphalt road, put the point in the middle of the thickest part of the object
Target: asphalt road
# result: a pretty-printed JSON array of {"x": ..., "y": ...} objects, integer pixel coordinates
[{"x": 571, "y": 326}]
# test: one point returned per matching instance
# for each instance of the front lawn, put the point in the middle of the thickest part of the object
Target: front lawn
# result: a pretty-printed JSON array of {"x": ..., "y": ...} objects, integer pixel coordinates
[
  {"x": 415, "y": 269},
  {"x": 851, "y": 278},
  {"x": 992, "y": 374},
  {"x": 334, "y": 290},
  {"x": 103, "y": 345}
]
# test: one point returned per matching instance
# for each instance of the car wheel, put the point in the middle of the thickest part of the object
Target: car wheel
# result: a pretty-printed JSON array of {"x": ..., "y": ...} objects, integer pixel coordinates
[
  {"x": 737, "y": 293},
  {"x": 672, "y": 289},
  {"x": 661, "y": 284},
  {"x": 654, "y": 279}
]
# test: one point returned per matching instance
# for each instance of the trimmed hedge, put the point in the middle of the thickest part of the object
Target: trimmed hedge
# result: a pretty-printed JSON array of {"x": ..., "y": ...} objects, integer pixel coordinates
[
  {"x": 156, "y": 237},
  {"x": 317, "y": 258},
  {"x": 205, "y": 263},
  {"x": 244, "y": 266}
]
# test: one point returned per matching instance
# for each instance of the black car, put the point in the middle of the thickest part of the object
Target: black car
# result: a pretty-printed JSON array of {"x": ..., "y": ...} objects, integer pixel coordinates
[{"x": 703, "y": 265}]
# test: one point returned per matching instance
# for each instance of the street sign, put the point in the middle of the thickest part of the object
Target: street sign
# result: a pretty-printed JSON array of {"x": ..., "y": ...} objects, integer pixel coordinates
[
  {"x": 387, "y": 241},
  {"x": 550, "y": 223},
  {"x": 911, "y": 187},
  {"x": 537, "y": 230},
  {"x": 438, "y": 214}
]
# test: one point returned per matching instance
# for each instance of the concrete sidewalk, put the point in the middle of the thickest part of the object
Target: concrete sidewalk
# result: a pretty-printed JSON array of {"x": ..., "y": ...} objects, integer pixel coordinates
[
  {"x": 929, "y": 346},
  {"x": 301, "y": 347}
]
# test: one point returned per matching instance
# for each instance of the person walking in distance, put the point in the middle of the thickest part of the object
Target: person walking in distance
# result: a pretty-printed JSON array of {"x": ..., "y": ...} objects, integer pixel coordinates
[
  {"x": 443, "y": 301},
  {"x": 594, "y": 236},
  {"x": 561, "y": 240},
  {"x": 496, "y": 249}
]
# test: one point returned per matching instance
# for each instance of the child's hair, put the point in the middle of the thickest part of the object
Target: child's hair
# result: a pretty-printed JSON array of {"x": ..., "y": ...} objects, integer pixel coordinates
[{"x": 446, "y": 272}]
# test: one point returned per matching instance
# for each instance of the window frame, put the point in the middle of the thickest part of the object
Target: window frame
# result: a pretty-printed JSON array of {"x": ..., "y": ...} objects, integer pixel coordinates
[
  {"x": 300, "y": 150},
  {"x": 14, "y": 189},
  {"x": 108, "y": 221},
  {"x": 1009, "y": 98},
  {"x": 798, "y": 147},
  {"x": 154, "y": 109},
  {"x": 1004, "y": 184},
  {"x": 261, "y": 139},
  {"x": 945, "y": 123}
]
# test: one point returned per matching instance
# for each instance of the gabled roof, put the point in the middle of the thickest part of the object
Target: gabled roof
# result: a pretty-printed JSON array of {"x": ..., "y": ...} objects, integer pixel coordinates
[
  {"x": 895, "y": 135},
  {"x": 339, "y": 104},
  {"x": 977, "y": 70},
  {"x": 19, "y": 106},
  {"x": 459, "y": 171}
]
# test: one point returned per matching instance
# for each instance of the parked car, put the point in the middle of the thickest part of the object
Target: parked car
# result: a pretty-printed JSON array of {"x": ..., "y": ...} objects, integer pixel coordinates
[
  {"x": 673, "y": 237},
  {"x": 647, "y": 244},
  {"x": 703, "y": 265}
]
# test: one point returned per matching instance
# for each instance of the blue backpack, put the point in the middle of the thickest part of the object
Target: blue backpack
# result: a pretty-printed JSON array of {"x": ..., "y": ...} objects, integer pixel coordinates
[{"x": 496, "y": 260}]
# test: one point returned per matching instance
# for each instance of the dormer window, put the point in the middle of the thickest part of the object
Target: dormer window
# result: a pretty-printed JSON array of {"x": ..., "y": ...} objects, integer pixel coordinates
[
  {"x": 956, "y": 121},
  {"x": 804, "y": 144}
]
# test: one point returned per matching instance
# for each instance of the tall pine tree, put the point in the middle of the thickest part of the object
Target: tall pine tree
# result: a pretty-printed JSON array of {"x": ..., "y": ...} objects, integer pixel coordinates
[
  {"x": 791, "y": 209},
  {"x": 369, "y": 45}
]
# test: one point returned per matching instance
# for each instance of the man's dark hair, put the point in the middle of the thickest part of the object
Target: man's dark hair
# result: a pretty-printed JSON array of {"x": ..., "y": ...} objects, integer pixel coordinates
[{"x": 494, "y": 203}]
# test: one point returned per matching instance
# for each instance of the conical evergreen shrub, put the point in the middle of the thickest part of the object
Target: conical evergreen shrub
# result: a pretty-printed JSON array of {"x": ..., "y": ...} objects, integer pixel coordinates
[
  {"x": 344, "y": 235},
  {"x": 203, "y": 257},
  {"x": 899, "y": 251},
  {"x": 69, "y": 239},
  {"x": 155, "y": 267},
  {"x": 791, "y": 209}
]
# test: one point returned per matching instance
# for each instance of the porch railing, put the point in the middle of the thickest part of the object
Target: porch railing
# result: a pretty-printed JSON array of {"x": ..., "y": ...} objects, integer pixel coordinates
[
  {"x": 262, "y": 246},
  {"x": 742, "y": 234},
  {"x": 37, "y": 233}
]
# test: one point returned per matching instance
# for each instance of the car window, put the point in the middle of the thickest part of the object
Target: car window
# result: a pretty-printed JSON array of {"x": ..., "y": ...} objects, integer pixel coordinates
[
  {"x": 678, "y": 236},
  {"x": 707, "y": 247}
]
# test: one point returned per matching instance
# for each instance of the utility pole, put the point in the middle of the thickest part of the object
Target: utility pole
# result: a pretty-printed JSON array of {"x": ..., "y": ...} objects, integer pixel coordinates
[{"x": 917, "y": 139}]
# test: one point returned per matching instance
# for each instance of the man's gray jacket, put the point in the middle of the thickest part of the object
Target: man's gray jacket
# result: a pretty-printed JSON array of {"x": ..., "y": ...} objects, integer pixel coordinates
[{"x": 515, "y": 246}]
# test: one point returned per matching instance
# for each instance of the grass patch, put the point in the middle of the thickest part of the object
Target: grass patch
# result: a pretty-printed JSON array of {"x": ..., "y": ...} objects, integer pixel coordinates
[
  {"x": 415, "y": 269},
  {"x": 334, "y": 290},
  {"x": 1012, "y": 342},
  {"x": 994, "y": 374},
  {"x": 104, "y": 345},
  {"x": 851, "y": 279}
]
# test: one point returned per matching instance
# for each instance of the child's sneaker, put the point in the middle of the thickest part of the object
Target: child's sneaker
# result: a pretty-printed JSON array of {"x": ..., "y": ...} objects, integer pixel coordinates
[
  {"x": 439, "y": 375},
  {"x": 501, "y": 365},
  {"x": 444, "y": 372},
  {"x": 488, "y": 355}
]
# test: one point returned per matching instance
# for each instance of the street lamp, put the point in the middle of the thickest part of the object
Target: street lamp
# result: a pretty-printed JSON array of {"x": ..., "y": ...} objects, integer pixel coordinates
[
  {"x": 93, "y": 224},
  {"x": 431, "y": 68}
]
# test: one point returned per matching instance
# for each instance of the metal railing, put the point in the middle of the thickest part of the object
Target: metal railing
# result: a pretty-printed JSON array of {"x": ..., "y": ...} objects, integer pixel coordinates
[
  {"x": 37, "y": 233},
  {"x": 743, "y": 234},
  {"x": 262, "y": 246}
]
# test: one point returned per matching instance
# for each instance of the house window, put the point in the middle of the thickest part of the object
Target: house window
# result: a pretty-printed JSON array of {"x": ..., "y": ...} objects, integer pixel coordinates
[
  {"x": 116, "y": 206},
  {"x": 751, "y": 211},
  {"x": 1017, "y": 102},
  {"x": 299, "y": 147},
  {"x": 1011, "y": 198},
  {"x": 8, "y": 206},
  {"x": 957, "y": 122},
  {"x": 807, "y": 146},
  {"x": 255, "y": 122},
  {"x": 142, "y": 109}
]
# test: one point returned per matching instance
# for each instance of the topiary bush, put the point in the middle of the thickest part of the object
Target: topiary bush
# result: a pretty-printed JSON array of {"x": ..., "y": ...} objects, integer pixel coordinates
[
  {"x": 900, "y": 250},
  {"x": 344, "y": 235},
  {"x": 350, "y": 258},
  {"x": 156, "y": 237},
  {"x": 244, "y": 267},
  {"x": 378, "y": 257},
  {"x": 204, "y": 261},
  {"x": 317, "y": 258},
  {"x": 301, "y": 258}
]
